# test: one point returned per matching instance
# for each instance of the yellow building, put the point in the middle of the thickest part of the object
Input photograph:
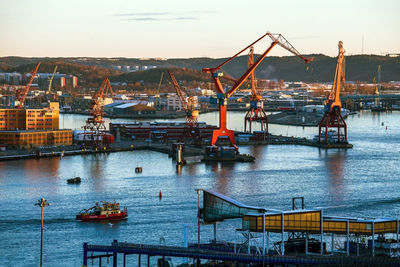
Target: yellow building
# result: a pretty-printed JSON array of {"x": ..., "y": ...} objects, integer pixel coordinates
[
  {"x": 30, "y": 119},
  {"x": 34, "y": 138},
  {"x": 28, "y": 128}
]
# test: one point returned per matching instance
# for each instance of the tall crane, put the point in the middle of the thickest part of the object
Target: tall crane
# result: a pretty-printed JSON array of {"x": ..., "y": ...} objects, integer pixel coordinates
[
  {"x": 256, "y": 111},
  {"x": 189, "y": 106},
  {"x": 94, "y": 129},
  {"x": 222, "y": 96},
  {"x": 51, "y": 79},
  {"x": 332, "y": 117},
  {"x": 20, "y": 98},
  {"x": 157, "y": 96}
]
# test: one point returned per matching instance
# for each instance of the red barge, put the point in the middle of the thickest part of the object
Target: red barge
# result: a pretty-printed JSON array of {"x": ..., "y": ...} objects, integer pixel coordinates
[{"x": 103, "y": 211}]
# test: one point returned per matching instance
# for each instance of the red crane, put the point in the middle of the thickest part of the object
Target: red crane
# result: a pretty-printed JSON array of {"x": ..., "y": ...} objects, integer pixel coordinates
[
  {"x": 222, "y": 96},
  {"x": 94, "y": 129},
  {"x": 188, "y": 106},
  {"x": 20, "y": 99},
  {"x": 333, "y": 106}
]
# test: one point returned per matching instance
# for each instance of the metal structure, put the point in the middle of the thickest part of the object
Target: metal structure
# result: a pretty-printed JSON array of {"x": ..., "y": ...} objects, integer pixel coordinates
[
  {"x": 143, "y": 250},
  {"x": 94, "y": 129},
  {"x": 222, "y": 96},
  {"x": 332, "y": 117},
  {"x": 299, "y": 224},
  {"x": 41, "y": 203},
  {"x": 255, "y": 220},
  {"x": 256, "y": 111},
  {"x": 20, "y": 98},
  {"x": 157, "y": 96},
  {"x": 51, "y": 80},
  {"x": 189, "y": 106}
]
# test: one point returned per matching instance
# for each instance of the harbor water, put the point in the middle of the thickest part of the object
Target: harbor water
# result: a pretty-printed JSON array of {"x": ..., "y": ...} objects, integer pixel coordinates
[{"x": 363, "y": 181}]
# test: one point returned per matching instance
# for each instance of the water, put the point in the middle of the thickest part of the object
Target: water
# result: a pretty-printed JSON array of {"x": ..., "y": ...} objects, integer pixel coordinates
[{"x": 363, "y": 181}]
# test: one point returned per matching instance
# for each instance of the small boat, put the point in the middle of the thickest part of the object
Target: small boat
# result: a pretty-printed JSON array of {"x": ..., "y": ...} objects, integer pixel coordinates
[
  {"x": 103, "y": 211},
  {"x": 76, "y": 180}
]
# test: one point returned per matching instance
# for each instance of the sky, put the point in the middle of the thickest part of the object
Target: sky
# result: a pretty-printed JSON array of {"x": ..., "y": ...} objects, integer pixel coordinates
[{"x": 188, "y": 28}]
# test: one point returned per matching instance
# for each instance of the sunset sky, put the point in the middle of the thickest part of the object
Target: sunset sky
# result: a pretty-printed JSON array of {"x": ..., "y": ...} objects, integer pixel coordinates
[{"x": 181, "y": 29}]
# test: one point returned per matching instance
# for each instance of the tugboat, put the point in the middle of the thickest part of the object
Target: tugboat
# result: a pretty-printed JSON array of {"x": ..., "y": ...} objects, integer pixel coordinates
[{"x": 103, "y": 211}]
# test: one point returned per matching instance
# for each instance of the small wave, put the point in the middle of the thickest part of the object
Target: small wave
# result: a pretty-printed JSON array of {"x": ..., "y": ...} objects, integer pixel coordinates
[
  {"x": 364, "y": 204},
  {"x": 38, "y": 221}
]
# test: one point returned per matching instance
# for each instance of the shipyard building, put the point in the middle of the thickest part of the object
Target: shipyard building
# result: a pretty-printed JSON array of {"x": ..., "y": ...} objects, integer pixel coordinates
[{"x": 28, "y": 128}]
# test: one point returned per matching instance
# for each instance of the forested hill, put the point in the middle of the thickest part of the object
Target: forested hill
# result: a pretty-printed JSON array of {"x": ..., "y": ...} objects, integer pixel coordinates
[{"x": 291, "y": 68}]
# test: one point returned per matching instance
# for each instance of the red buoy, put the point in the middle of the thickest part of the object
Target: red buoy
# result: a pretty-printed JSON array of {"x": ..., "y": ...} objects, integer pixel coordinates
[{"x": 160, "y": 195}]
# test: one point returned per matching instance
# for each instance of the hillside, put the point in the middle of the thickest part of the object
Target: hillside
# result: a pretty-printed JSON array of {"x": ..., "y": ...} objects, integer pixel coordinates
[{"x": 290, "y": 68}]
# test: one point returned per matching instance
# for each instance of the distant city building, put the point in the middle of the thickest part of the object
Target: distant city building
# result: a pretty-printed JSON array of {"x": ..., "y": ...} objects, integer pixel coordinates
[
  {"x": 41, "y": 79},
  {"x": 10, "y": 77},
  {"x": 174, "y": 103}
]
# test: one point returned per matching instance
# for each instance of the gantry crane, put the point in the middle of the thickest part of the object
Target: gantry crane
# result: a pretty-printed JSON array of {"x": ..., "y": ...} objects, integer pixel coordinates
[
  {"x": 222, "y": 96},
  {"x": 20, "y": 98},
  {"x": 94, "y": 129},
  {"x": 189, "y": 106},
  {"x": 332, "y": 117},
  {"x": 256, "y": 111}
]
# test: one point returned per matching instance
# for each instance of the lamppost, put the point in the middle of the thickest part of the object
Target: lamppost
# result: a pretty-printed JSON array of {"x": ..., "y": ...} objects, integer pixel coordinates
[{"x": 41, "y": 203}]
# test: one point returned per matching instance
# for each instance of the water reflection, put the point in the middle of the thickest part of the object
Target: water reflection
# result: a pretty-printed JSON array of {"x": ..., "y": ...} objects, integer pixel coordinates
[
  {"x": 222, "y": 174},
  {"x": 258, "y": 153},
  {"x": 334, "y": 163},
  {"x": 97, "y": 164},
  {"x": 41, "y": 168}
]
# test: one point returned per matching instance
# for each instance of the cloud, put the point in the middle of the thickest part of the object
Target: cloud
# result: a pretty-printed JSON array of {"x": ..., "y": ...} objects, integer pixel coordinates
[
  {"x": 162, "y": 16},
  {"x": 160, "y": 19},
  {"x": 142, "y": 14}
]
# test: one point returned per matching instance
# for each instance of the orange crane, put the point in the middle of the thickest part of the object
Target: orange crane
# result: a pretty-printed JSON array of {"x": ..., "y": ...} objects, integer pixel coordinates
[
  {"x": 189, "y": 106},
  {"x": 20, "y": 99},
  {"x": 222, "y": 96},
  {"x": 256, "y": 111},
  {"x": 333, "y": 106},
  {"x": 105, "y": 88},
  {"x": 94, "y": 129}
]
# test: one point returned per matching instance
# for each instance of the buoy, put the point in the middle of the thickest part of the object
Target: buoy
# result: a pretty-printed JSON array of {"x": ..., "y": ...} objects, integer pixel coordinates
[{"x": 160, "y": 195}]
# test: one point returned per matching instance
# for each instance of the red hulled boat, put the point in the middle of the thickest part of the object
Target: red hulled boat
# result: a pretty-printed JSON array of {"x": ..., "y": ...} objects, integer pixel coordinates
[{"x": 103, "y": 211}]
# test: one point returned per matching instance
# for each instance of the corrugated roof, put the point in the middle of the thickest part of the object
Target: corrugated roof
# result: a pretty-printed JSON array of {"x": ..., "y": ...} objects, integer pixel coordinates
[{"x": 126, "y": 105}]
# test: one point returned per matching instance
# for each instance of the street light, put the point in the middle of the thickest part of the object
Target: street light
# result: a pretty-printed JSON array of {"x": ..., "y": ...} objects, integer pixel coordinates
[{"x": 41, "y": 203}]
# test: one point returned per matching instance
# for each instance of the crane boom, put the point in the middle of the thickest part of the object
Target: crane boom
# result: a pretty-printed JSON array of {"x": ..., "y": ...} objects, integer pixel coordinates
[
  {"x": 250, "y": 62},
  {"x": 286, "y": 45},
  {"x": 159, "y": 84},
  {"x": 334, "y": 95},
  {"x": 179, "y": 92},
  {"x": 276, "y": 39},
  {"x": 105, "y": 88},
  {"x": 21, "y": 99},
  {"x": 51, "y": 79}
]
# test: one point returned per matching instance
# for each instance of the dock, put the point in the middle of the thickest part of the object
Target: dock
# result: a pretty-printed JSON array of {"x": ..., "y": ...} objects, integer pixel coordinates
[
  {"x": 190, "y": 151},
  {"x": 197, "y": 254}
]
